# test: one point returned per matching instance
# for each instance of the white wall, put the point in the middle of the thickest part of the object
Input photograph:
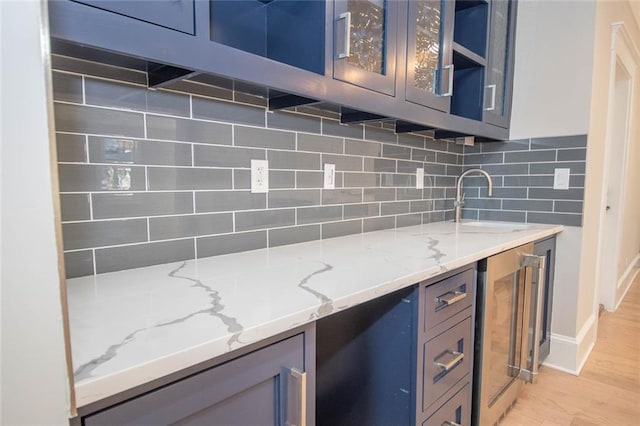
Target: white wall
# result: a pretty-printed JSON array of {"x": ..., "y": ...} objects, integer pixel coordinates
[
  {"x": 34, "y": 380},
  {"x": 554, "y": 59}
]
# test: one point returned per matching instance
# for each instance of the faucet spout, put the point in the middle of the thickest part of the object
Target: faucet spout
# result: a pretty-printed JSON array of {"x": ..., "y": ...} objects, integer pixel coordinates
[{"x": 460, "y": 198}]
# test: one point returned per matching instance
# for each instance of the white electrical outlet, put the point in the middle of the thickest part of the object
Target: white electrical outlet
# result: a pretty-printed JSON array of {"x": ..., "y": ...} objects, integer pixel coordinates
[
  {"x": 329, "y": 176},
  {"x": 419, "y": 178},
  {"x": 561, "y": 178},
  {"x": 259, "y": 176}
]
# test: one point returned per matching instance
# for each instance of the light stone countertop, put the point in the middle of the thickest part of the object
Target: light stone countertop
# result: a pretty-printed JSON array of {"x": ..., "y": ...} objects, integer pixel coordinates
[{"x": 134, "y": 326}]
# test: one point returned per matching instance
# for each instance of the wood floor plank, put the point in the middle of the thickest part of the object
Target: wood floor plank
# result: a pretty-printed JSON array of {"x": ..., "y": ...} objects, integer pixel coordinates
[{"x": 607, "y": 392}]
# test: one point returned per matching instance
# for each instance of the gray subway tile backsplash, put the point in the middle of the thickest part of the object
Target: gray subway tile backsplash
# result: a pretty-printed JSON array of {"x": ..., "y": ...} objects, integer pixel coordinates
[
  {"x": 67, "y": 87},
  {"x": 172, "y": 227},
  {"x": 263, "y": 219},
  {"x": 218, "y": 110},
  {"x": 263, "y": 138},
  {"x": 293, "y": 198},
  {"x": 334, "y": 128},
  {"x": 319, "y": 143},
  {"x": 128, "y": 96},
  {"x": 98, "y": 121},
  {"x": 137, "y": 151},
  {"x": 82, "y": 235},
  {"x": 223, "y": 156},
  {"x": 293, "y": 235},
  {"x": 362, "y": 148},
  {"x": 292, "y": 121},
  {"x": 152, "y": 185},
  {"x": 71, "y": 148},
  {"x": 525, "y": 189},
  {"x": 339, "y": 229},
  {"x": 75, "y": 207},
  {"x": 78, "y": 263},
  {"x": 231, "y": 243},
  {"x": 221, "y": 201},
  {"x": 181, "y": 129},
  {"x": 90, "y": 177},
  {"x": 139, "y": 255},
  {"x": 141, "y": 204},
  {"x": 184, "y": 178}
]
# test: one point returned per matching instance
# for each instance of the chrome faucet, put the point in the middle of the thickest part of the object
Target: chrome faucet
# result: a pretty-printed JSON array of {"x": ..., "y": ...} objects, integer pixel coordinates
[{"x": 460, "y": 198}]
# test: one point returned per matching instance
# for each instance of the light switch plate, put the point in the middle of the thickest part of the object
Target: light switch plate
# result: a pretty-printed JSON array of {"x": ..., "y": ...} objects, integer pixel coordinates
[
  {"x": 419, "y": 178},
  {"x": 259, "y": 176},
  {"x": 329, "y": 176},
  {"x": 561, "y": 178}
]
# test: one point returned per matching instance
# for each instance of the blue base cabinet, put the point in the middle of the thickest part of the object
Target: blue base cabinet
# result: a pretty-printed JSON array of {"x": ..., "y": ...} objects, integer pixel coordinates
[
  {"x": 405, "y": 358},
  {"x": 265, "y": 387}
]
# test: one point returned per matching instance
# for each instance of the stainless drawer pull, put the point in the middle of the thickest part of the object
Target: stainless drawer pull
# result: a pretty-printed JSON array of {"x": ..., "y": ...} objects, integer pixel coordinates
[
  {"x": 446, "y": 366},
  {"x": 451, "y": 297},
  {"x": 451, "y": 423}
]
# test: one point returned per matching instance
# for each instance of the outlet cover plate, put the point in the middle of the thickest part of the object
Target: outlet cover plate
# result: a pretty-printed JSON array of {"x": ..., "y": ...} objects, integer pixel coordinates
[
  {"x": 419, "y": 178},
  {"x": 259, "y": 176},
  {"x": 561, "y": 178},
  {"x": 329, "y": 176}
]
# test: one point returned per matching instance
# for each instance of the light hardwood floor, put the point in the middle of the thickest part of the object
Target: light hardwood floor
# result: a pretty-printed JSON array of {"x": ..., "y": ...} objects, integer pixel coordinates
[{"x": 607, "y": 392}]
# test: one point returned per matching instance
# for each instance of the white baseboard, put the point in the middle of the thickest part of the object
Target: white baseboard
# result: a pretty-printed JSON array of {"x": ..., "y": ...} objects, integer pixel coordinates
[
  {"x": 569, "y": 354},
  {"x": 625, "y": 281}
]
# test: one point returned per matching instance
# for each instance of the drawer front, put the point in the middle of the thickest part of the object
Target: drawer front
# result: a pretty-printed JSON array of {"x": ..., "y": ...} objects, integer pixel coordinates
[
  {"x": 447, "y": 298},
  {"x": 454, "y": 411},
  {"x": 446, "y": 360}
]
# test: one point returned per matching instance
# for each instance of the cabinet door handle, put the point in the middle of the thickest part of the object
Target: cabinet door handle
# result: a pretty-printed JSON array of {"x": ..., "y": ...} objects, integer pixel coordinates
[
  {"x": 346, "y": 49},
  {"x": 450, "y": 423},
  {"x": 493, "y": 97},
  {"x": 451, "y": 297},
  {"x": 297, "y": 398},
  {"x": 450, "y": 87},
  {"x": 446, "y": 366}
]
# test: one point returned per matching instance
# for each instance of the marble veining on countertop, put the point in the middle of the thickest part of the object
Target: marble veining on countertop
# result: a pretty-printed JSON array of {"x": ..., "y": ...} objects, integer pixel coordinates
[{"x": 134, "y": 326}]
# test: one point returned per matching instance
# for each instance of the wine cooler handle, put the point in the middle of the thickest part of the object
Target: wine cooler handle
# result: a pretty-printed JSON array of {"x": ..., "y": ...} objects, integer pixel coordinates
[{"x": 538, "y": 263}]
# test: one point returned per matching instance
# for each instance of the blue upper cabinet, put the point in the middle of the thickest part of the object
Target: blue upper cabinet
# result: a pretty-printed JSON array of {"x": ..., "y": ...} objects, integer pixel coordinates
[
  {"x": 499, "y": 74},
  {"x": 365, "y": 43},
  {"x": 429, "y": 53},
  {"x": 174, "y": 14},
  {"x": 427, "y": 64}
]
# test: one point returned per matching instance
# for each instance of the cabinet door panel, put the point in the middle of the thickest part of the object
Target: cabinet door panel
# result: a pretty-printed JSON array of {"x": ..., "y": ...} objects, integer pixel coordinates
[
  {"x": 499, "y": 74},
  {"x": 546, "y": 248},
  {"x": 174, "y": 14},
  {"x": 429, "y": 54},
  {"x": 251, "y": 389},
  {"x": 365, "y": 43}
]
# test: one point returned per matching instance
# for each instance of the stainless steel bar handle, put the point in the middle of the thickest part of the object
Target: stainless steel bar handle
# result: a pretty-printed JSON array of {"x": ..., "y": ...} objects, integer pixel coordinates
[
  {"x": 346, "y": 50},
  {"x": 451, "y": 297},
  {"x": 446, "y": 366},
  {"x": 493, "y": 97},
  {"x": 449, "y": 91},
  {"x": 537, "y": 330},
  {"x": 300, "y": 378},
  {"x": 451, "y": 423}
]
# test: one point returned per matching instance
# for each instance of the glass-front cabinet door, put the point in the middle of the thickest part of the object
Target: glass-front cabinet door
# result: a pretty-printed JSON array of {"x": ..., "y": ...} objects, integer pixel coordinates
[
  {"x": 365, "y": 43},
  {"x": 429, "y": 53},
  {"x": 498, "y": 77}
]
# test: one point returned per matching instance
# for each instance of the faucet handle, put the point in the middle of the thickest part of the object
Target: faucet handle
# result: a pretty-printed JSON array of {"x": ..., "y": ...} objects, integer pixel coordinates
[{"x": 462, "y": 199}]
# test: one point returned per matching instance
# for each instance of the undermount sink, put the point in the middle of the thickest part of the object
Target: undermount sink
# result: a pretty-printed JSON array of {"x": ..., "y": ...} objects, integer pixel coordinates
[{"x": 501, "y": 225}]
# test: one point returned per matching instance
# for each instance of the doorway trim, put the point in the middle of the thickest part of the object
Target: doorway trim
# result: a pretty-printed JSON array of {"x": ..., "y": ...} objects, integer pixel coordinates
[{"x": 624, "y": 53}]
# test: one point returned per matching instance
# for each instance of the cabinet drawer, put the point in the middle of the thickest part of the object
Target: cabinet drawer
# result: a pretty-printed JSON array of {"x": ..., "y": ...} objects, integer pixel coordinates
[
  {"x": 446, "y": 360},
  {"x": 456, "y": 410},
  {"x": 175, "y": 14},
  {"x": 447, "y": 297}
]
